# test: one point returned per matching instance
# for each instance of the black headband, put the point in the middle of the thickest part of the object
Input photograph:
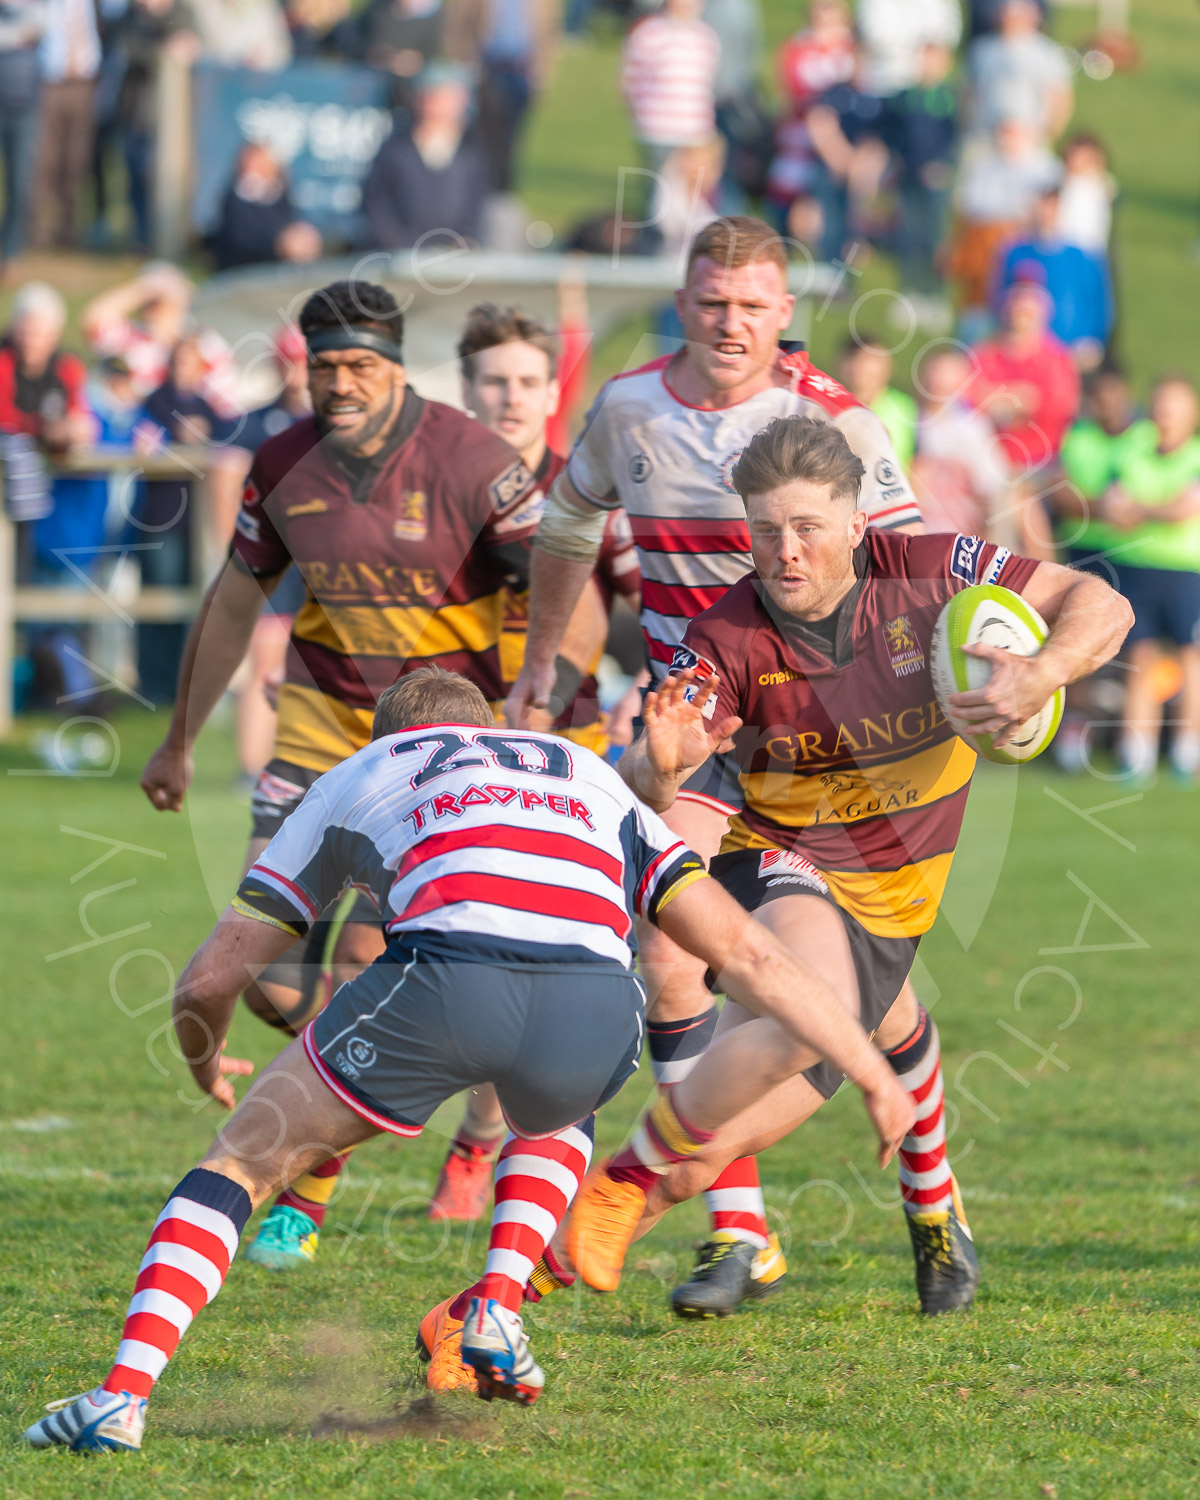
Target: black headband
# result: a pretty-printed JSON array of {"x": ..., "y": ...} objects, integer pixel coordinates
[{"x": 327, "y": 339}]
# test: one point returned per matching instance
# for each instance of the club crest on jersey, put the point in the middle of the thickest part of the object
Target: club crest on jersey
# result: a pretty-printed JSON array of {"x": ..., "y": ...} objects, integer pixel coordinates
[
  {"x": 251, "y": 494},
  {"x": 412, "y": 517},
  {"x": 785, "y": 867},
  {"x": 964, "y": 559},
  {"x": 725, "y": 471},
  {"x": 640, "y": 468},
  {"x": 904, "y": 648},
  {"x": 886, "y": 471}
]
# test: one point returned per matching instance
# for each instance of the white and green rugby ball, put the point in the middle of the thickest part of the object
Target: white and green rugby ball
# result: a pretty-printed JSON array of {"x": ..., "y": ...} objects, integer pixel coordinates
[{"x": 987, "y": 615}]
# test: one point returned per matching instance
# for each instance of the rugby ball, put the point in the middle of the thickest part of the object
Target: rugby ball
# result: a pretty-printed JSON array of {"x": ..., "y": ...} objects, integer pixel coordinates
[{"x": 987, "y": 615}]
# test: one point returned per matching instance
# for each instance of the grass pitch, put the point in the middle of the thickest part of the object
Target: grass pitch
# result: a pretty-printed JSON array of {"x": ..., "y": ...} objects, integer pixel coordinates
[{"x": 1062, "y": 979}]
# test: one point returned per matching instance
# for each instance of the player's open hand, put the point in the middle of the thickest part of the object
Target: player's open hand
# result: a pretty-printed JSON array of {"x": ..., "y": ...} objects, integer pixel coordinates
[
  {"x": 212, "y": 1077},
  {"x": 1015, "y": 691},
  {"x": 167, "y": 776},
  {"x": 892, "y": 1112},
  {"x": 678, "y": 736},
  {"x": 527, "y": 706}
]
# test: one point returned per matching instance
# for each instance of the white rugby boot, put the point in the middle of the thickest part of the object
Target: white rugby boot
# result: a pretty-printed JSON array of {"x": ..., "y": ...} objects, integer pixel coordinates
[
  {"x": 493, "y": 1345},
  {"x": 99, "y": 1421}
]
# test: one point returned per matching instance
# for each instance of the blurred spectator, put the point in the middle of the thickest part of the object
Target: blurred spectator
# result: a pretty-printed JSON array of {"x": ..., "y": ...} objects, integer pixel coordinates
[
  {"x": 984, "y": 16},
  {"x": 256, "y": 683},
  {"x": 510, "y": 44},
  {"x": 668, "y": 76},
  {"x": 814, "y": 59},
  {"x": 176, "y": 413},
  {"x": 959, "y": 471},
  {"x": 70, "y": 59},
  {"x": 319, "y": 27},
  {"x": 744, "y": 123},
  {"x": 686, "y": 193},
  {"x": 1153, "y": 510},
  {"x": 142, "y": 320},
  {"x": 1020, "y": 74},
  {"x": 145, "y": 31},
  {"x": 894, "y": 34},
  {"x": 810, "y": 63},
  {"x": 42, "y": 386},
  {"x": 921, "y": 128},
  {"x": 1078, "y": 282},
  {"x": 997, "y": 185},
  {"x": 1027, "y": 383},
  {"x": 21, "y": 25},
  {"x": 1086, "y": 200},
  {"x": 865, "y": 370},
  {"x": 846, "y": 128},
  {"x": 429, "y": 182},
  {"x": 44, "y": 412},
  {"x": 1089, "y": 463},
  {"x": 244, "y": 33},
  {"x": 258, "y": 222},
  {"x": 401, "y": 37}
]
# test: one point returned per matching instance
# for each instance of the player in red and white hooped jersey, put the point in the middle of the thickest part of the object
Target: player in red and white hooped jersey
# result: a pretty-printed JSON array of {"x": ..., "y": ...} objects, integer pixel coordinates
[
  {"x": 662, "y": 441},
  {"x": 510, "y": 866}
]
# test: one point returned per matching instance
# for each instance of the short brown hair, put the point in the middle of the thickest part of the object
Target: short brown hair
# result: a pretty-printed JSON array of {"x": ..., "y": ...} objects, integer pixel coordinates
[
  {"x": 430, "y": 695},
  {"x": 488, "y": 326},
  {"x": 798, "y": 448},
  {"x": 738, "y": 240}
]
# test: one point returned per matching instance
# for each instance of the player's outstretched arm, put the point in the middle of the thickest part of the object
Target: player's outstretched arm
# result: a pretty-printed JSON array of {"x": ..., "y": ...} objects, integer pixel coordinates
[
  {"x": 677, "y": 738},
  {"x": 564, "y": 556},
  {"x": 1088, "y": 622},
  {"x": 236, "y": 951},
  {"x": 216, "y": 644},
  {"x": 809, "y": 1023}
]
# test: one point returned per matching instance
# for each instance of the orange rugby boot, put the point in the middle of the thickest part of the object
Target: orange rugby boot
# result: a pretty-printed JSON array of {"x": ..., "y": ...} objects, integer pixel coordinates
[
  {"x": 439, "y": 1343},
  {"x": 603, "y": 1221}
]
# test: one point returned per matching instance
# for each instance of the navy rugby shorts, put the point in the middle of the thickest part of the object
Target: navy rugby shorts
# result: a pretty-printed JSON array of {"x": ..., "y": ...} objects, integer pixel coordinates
[{"x": 419, "y": 1025}]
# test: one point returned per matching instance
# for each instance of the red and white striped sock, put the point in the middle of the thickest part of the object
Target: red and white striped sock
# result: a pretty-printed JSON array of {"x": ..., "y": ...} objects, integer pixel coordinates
[
  {"x": 311, "y": 1191},
  {"x": 735, "y": 1204},
  {"x": 926, "y": 1183},
  {"x": 194, "y": 1240},
  {"x": 535, "y": 1184},
  {"x": 662, "y": 1138}
]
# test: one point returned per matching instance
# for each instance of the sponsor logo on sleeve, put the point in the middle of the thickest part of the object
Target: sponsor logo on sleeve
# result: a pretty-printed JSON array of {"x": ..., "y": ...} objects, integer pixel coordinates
[
  {"x": 247, "y": 525},
  {"x": 886, "y": 471},
  {"x": 964, "y": 558},
  {"x": 640, "y": 468},
  {"x": 509, "y": 487},
  {"x": 785, "y": 867},
  {"x": 524, "y": 516},
  {"x": 904, "y": 649},
  {"x": 996, "y": 566},
  {"x": 686, "y": 659},
  {"x": 251, "y": 494}
]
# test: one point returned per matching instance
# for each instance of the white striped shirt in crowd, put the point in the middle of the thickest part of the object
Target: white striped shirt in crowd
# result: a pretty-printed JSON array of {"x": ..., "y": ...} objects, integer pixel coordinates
[{"x": 668, "y": 74}]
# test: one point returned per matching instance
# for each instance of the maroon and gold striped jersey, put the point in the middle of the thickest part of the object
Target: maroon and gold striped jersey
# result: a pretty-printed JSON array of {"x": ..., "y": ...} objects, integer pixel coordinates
[
  {"x": 845, "y": 755},
  {"x": 406, "y": 559}
]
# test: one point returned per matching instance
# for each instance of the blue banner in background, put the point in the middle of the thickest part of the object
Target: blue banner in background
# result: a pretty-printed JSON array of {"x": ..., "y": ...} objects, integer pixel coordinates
[{"x": 323, "y": 121}]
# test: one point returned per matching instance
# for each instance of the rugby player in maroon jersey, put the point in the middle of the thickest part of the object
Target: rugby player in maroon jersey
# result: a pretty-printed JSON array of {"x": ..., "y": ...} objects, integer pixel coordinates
[
  {"x": 661, "y": 441},
  {"x": 510, "y": 383},
  {"x": 407, "y": 521},
  {"x": 855, "y": 787}
]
